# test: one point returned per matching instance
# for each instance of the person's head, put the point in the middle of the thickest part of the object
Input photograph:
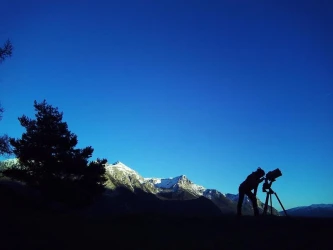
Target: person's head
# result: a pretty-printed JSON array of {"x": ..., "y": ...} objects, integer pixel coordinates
[{"x": 260, "y": 173}]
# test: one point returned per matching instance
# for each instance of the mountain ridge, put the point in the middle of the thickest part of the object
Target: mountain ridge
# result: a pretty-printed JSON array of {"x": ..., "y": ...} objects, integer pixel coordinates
[
  {"x": 179, "y": 188},
  {"x": 313, "y": 210}
]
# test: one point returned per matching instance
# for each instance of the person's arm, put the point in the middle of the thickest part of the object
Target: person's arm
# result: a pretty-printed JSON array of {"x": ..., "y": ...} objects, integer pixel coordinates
[
  {"x": 255, "y": 190},
  {"x": 262, "y": 179}
]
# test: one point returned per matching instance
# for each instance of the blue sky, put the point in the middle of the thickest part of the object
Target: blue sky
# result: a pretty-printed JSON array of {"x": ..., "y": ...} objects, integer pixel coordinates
[{"x": 209, "y": 89}]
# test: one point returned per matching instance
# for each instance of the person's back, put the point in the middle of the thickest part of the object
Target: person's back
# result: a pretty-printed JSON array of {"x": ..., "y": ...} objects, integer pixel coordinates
[{"x": 251, "y": 182}]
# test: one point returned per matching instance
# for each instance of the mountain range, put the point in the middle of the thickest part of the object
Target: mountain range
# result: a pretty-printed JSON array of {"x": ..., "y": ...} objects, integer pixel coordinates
[
  {"x": 129, "y": 192},
  {"x": 314, "y": 210},
  {"x": 179, "y": 188}
]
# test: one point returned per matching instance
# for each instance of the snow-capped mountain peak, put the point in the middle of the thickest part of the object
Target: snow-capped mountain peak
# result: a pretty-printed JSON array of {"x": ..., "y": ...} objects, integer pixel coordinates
[
  {"x": 120, "y": 167},
  {"x": 176, "y": 182},
  {"x": 120, "y": 172}
]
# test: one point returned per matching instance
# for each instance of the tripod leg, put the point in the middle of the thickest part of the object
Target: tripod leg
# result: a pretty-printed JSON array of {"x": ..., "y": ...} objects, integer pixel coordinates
[
  {"x": 271, "y": 204},
  {"x": 266, "y": 204},
  {"x": 285, "y": 212}
]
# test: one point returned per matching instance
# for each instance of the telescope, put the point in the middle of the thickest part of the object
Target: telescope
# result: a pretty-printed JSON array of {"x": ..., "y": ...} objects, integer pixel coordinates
[{"x": 270, "y": 177}]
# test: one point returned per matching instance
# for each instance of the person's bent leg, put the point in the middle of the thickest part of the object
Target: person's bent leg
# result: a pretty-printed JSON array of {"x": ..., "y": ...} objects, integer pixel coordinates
[
  {"x": 240, "y": 201},
  {"x": 253, "y": 199}
]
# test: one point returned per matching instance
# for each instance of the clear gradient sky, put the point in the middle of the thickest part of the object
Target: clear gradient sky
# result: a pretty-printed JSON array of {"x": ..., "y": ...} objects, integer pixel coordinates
[{"x": 209, "y": 89}]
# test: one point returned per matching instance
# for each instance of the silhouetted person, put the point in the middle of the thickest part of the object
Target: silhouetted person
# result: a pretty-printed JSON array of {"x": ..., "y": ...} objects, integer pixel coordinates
[{"x": 251, "y": 182}]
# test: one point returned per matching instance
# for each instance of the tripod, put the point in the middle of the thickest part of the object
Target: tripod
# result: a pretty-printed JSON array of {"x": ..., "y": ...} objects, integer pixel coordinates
[{"x": 269, "y": 197}]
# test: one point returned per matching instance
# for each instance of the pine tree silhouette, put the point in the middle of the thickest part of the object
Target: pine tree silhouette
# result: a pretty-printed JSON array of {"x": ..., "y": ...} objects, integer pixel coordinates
[{"x": 49, "y": 160}]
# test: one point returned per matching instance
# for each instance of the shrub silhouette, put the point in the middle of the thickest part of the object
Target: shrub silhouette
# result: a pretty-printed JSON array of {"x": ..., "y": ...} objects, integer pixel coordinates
[{"x": 48, "y": 160}]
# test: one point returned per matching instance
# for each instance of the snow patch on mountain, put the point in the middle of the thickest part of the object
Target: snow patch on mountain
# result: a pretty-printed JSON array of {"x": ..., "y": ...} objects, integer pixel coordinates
[
  {"x": 164, "y": 183},
  {"x": 210, "y": 193},
  {"x": 176, "y": 182},
  {"x": 8, "y": 163},
  {"x": 15, "y": 160},
  {"x": 121, "y": 167},
  {"x": 235, "y": 197}
]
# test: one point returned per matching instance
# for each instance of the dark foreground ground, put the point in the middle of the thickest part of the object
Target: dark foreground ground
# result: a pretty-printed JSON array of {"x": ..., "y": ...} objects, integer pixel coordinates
[
  {"x": 25, "y": 226},
  {"x": 46, "y": 231}
]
